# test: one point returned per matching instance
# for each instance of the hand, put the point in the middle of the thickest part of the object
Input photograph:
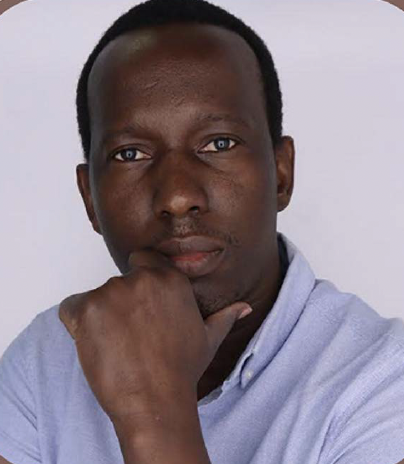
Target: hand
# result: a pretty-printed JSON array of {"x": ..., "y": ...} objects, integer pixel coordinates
[{"x": 140, "y": 337}]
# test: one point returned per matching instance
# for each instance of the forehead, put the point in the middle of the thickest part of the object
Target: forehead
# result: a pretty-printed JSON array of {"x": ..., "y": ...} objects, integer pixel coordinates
[{"x": 175, "y": 65}]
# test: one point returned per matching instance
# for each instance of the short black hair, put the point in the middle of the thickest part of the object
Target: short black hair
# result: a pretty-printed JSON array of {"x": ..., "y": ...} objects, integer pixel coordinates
[{"x": 164, "y": 12}]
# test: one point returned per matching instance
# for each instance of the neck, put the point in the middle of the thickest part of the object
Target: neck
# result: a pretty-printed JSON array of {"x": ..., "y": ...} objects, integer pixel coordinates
[{"x": 237, "y": 340}]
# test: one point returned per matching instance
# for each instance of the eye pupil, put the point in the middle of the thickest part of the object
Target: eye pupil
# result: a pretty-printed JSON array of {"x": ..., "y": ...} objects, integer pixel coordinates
[
  {"x": 222, "y": 144},
  {"x": 131, "y": 153}
]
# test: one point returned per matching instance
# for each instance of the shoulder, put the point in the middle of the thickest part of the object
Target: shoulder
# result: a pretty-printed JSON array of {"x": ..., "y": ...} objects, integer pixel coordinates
[
  {"x": 35, "y": 373},
  {"x": 360, "y": 367},
  {"x": 44, "y": 344},
  {"x": 46, "y": 328},
  {"x": 353, "y": 319},
  {"x": 349, "y": 340},
  {"x": 49, "y": 341},
  {"x": 359, "y": 352}
]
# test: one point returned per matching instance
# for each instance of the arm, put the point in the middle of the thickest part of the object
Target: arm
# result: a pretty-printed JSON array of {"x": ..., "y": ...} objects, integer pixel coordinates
[{"x": 148, "y": 388}]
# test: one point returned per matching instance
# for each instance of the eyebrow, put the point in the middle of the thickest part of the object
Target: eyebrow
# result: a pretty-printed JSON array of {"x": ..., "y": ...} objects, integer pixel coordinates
[
  {"x": 127, "y": 130},
  {"x": 203, "y": 117},
  {"x": 218, "y": 117}
]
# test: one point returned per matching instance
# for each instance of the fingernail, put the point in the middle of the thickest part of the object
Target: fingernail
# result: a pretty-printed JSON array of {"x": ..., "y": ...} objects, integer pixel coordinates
[{"x": 245, "y": 312}]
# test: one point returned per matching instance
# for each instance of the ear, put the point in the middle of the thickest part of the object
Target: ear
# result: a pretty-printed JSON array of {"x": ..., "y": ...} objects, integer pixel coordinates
[
  {"x": 285, "y": 169},
  {"x": 83, "y": 183}
]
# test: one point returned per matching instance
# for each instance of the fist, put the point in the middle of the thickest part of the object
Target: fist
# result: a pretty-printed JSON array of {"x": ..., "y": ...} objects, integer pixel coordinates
[{"x": 140, "y": 337}]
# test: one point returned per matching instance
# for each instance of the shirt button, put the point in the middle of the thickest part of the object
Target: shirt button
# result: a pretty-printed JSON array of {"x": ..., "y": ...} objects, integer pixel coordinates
[{"x": 249, "y": 374}]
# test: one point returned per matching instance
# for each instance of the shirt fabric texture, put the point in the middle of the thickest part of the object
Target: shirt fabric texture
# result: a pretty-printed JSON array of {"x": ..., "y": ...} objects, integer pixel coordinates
[{"x": 321, "y": 382}]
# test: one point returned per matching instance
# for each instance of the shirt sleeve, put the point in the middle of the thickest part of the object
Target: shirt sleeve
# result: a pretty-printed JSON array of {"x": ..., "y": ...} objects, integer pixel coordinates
[
  {"x": 372, "y": 430},
  {"x": 18, "y": 422}
]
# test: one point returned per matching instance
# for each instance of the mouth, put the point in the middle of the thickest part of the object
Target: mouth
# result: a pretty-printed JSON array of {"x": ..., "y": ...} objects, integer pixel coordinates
[{"x": 197, "y": 264}]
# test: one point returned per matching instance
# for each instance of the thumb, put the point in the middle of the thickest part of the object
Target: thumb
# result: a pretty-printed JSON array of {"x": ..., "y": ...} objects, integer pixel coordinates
[{"x": 218, "y": 325}]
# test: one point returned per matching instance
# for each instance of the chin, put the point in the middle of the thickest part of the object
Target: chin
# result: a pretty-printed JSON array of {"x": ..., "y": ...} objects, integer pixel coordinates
[{"x": 209, "y": 304}]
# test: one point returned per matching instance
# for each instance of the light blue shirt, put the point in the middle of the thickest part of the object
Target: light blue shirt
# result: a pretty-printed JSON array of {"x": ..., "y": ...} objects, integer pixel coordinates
[{"x": 321, "y": 382}]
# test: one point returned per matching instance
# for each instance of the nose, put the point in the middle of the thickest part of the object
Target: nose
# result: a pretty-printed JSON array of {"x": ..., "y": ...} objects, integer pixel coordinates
[{"x": 180, "y": 190}]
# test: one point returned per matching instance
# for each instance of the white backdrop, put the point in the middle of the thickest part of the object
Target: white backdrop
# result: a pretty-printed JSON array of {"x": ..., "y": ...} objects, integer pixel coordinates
[{"x": 341, "y": 65}]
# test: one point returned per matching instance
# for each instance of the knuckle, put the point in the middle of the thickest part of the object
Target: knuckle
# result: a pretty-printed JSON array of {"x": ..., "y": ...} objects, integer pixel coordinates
[
  {"x": 89, "y": 299},
  {"x": 113, "y": 281},
  {"x": 89, "y": 312},
  {"x": 113, "y": 286},
  {"x": 89, "y": 305},
  {"x": 79, "y": 311},
  {"x": 68, "y": 308}
]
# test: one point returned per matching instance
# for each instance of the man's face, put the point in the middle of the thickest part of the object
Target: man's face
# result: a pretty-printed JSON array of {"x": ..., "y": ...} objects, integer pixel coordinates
[{"x": 198, "y": 157}]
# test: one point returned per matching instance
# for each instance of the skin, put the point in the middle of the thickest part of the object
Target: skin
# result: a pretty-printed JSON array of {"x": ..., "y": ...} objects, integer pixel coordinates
[{"x": 163, "y": 81}]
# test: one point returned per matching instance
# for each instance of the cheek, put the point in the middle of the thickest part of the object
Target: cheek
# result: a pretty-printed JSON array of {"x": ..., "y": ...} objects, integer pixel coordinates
[
  {"x": 245, "y": 206},
  {"x": 256, "y": 195},
  {"x": 257, "y": 224},
  {"x": 265, "y": 194},
  {"x": 119, "y": 209}
]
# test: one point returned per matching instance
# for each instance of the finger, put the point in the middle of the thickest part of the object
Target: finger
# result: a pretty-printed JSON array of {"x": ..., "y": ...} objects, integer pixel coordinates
[{"x": 219, "y": 324}]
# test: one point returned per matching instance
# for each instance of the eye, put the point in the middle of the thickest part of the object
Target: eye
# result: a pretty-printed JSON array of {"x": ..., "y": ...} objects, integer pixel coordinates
[
  {"x": 220, "y": 144},
  {"x": 127, "y": 154}
]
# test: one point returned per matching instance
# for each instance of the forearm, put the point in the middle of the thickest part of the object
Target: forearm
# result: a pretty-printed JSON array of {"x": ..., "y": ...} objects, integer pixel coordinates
[{"x": 169, "y": 436}]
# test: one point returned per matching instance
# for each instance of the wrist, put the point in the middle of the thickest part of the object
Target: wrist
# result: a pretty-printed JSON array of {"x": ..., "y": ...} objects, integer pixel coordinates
[
  {"x": 156, "y": 417},
  {"x": 155, "y": 411},
  {"x": 172, "y": 433}
]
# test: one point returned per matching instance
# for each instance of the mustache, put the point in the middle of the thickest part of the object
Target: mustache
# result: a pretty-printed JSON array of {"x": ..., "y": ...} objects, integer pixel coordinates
[{"x": 187, "y": 228}]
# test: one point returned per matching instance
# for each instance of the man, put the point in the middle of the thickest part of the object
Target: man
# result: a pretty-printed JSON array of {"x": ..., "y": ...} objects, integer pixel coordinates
[{"x": 180, "y": 114}]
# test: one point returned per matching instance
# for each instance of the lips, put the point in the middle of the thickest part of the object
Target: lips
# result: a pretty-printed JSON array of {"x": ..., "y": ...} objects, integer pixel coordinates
[
  {"x": 189, "y": 245},
  {"x": 194, "y": 256}
]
